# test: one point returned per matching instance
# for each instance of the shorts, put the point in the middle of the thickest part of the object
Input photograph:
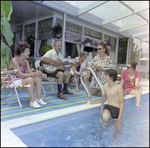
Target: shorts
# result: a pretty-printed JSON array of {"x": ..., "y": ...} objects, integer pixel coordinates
[
  {"x": 17, "y": 82},
  {"x": 113, "y": 110},
  {"x": 128, "y": 90},
  {"x": 52, "y": 74}
]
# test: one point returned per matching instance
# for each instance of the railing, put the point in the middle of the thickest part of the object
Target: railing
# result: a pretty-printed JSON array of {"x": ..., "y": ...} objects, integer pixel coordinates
[{"x": 100, "y": 85}]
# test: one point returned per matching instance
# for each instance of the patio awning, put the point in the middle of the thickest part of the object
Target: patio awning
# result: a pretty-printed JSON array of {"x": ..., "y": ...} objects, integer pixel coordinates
[{"x": 128, "y": 18}]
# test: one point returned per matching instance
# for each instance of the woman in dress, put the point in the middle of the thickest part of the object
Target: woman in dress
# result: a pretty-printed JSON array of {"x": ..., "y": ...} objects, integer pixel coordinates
[
  {"x": 130, "y": 79},
  {"x": 25, "y": 76},
  {"x": 80, "y": 63},
  {"x": 101, "y": 61}
]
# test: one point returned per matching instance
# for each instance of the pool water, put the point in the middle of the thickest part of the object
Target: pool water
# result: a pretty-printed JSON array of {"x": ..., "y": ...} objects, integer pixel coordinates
[{"x": 83, "y": 129}]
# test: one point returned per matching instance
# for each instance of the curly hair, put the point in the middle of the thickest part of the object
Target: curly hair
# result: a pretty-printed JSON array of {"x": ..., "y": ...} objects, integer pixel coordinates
[
  {"x": 133, "y": 64},
  {"x": 21, "y": 46},
  {"x": 104, "y": 46}
]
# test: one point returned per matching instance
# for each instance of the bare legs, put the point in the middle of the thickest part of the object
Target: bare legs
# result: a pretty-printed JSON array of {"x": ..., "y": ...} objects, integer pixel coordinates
[
  {"x": 106, "y": 118},
  {"x": 33, "y": 81},
  {"x": 67, "y": 75},
  {"x": 137, "y": 93},
  {"x": 76, "y": 82},
  {"x": 106, "y": 115},
  {"x": 86, "y": 79},
  {"x": 61, "y": 75},
  {"x": 76, "y": 79},
  {"x": 94, "y": 91}
]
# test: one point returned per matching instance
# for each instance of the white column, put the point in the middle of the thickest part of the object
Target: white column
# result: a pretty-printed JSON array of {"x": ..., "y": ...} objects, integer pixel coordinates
[
  {"x": 139, "y": 55},
  {"x": 63, "y": 35},
  {"x": 23, "y": 32},
  {"x": 117, "y": 46},
  {"x": 36, "y": 36},
  {"x": 53, "y": 23}
]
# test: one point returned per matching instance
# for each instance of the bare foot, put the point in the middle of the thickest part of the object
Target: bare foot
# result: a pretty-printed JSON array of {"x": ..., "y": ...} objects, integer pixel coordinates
[
  {"x": 77, "y": 90},
  {"x": 137, "y": 105},
  {"x": 89, "y": 90}
]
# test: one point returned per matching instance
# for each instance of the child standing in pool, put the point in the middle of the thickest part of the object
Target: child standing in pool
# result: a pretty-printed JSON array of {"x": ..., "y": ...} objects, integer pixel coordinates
[{"x": 114, "y": 96}]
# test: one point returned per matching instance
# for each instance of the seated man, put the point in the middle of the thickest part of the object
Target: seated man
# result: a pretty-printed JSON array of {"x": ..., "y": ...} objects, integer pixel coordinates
[
  {"x": 52, "y": 56},
  {"x": 114, "y": 96}
]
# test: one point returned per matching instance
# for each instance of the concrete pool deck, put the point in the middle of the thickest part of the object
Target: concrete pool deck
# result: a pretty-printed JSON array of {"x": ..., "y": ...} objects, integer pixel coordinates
[{"x": 9, "y": 139}]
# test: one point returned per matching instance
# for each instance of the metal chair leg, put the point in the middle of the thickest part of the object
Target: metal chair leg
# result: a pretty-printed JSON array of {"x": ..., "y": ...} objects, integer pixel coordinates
[
  {"x": 16, "y": 93},
  {"x": 44, "y": 91},
  {"x": 7, "y": 96},
  {"x": 50, "y": 83},
  {"x": 35, "y": 90}
]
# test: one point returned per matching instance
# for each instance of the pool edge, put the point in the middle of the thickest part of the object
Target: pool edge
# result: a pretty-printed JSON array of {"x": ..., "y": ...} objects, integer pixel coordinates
[{"x": 13, "y": 141}]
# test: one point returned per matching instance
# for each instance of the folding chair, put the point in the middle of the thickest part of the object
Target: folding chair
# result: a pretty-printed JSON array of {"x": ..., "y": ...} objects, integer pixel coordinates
[
  {"x": 50, "y": 79},
  {"x": 5, "y": 75}
]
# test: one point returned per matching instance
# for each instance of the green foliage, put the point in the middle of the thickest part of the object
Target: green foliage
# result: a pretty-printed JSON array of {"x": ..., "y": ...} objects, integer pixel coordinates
[
  {"x": 44, "y": 49},
  {"x": 56, "y": 31},
  {"x": 135, "y": 52},
  {"x": 6, "y": 10},
  {"x": 30, "y": 40}
]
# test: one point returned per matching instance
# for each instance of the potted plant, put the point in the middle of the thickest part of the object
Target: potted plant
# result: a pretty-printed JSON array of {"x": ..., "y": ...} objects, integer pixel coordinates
[
  {"x": 44, "y": 49},
  {"x": 56, "y": 31}
]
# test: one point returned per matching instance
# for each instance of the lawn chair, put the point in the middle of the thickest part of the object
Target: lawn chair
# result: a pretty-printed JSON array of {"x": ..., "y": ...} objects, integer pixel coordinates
[{"x": 5, "y": 75}]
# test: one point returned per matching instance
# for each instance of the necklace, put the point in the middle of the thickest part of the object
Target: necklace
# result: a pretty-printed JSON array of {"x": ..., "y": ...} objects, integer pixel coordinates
[{"x": 132, "y": 80}]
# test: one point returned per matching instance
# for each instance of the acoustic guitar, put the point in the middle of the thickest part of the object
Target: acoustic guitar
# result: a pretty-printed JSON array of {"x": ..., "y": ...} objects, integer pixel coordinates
[{"x": 52, "y": 67}]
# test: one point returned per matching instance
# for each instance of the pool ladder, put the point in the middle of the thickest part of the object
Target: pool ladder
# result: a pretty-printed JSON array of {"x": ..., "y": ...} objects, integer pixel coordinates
[{"x": 100, "y": 85}]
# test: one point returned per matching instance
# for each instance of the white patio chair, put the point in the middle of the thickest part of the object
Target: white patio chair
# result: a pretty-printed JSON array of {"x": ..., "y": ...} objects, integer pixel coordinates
[{"x": 50, "y": 79}]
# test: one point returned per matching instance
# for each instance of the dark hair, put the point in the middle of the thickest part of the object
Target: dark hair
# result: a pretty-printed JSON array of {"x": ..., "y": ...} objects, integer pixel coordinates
[
  {"x": 21, "y": 46},
  {"x": 104, "y": 46},
  {"x": 133, "y": 64},
  {"x": 112, "y": 73},
  {"x": 108, "y": 44}
]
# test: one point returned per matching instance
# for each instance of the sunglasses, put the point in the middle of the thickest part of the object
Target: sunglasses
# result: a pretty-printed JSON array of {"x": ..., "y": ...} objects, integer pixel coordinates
[
  {"x": 128, "y": 67},
  {"x": 99, "y": 48}
]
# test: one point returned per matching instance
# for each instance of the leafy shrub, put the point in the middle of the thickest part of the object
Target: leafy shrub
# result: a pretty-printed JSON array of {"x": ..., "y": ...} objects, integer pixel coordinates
[{"x": 44, "y": 49}]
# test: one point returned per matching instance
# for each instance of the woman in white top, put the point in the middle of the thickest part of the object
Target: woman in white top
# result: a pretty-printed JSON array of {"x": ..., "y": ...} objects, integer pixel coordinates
[{"x": 78, "y": 68}]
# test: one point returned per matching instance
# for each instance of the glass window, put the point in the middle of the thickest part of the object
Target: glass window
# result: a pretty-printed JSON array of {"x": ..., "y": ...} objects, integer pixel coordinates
[
  {"x": 30, "y": 36},
  {"x": 91, "y": 50},
  {"x": 71, "y": 27},
  {"x": 122, "y": 50},
  {"x": 92, "y": 33},
  {"x": 45, "y": 29},
  {"x": 136, "y": 52},
  {"x": 71, "y": 50}
]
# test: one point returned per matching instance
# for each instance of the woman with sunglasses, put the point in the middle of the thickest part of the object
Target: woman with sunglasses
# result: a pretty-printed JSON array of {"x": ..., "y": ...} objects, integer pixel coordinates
[
  {"x": 99, "y": 62},
  {"x": 130, "y": 81}
]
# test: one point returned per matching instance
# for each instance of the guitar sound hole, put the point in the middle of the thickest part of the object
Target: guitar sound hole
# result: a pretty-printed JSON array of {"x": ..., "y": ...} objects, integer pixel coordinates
[{"x": 50, "y": 67}]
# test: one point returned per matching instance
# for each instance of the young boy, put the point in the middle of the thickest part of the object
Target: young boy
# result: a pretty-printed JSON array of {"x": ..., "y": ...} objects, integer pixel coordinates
[{"x": 114, "y": 95}]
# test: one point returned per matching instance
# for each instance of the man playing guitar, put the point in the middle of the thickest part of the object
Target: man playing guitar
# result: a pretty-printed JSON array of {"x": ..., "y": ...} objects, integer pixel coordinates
[{"x": 53, "y": 56}]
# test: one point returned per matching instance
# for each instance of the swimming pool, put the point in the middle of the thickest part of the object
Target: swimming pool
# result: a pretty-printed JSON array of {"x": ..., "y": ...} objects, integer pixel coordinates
[{"x": 82, "y": 129}]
